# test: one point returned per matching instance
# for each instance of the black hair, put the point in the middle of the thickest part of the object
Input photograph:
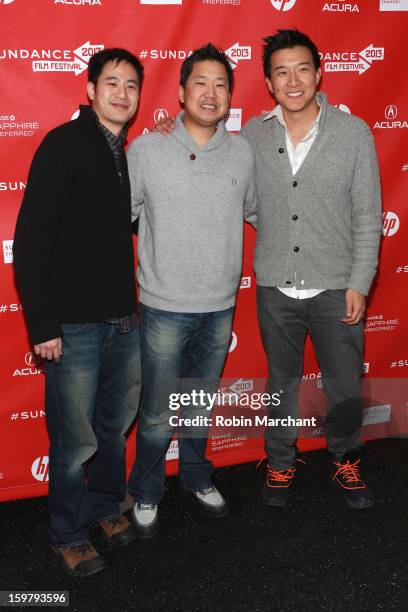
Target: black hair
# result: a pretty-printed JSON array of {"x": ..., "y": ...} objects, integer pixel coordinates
[
  {"x": 98, "y": 61},
  {"x": 206, "y": 53},
  {"x": 287, "y": 39}
]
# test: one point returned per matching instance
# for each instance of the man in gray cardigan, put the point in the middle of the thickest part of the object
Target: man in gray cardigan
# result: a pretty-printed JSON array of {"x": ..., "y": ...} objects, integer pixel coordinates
[
  {"x": 191, "y": 191},
  {"x": 319, "y": 225}
]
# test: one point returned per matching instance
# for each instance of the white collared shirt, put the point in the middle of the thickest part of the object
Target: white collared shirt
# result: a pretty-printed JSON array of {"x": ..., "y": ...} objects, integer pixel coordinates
[{"x": 297, "y": 154}]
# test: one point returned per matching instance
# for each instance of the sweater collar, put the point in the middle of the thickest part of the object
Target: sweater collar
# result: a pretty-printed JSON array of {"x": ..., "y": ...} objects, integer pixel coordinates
[
  {"x": 321, "y": 100},
  {"x": 181, "y": 134}
]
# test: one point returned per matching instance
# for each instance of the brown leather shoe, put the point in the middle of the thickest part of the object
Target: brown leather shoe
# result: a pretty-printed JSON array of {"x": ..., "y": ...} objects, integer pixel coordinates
[
  {"x": 118, "y": 531},
  {"x": 80, "y": 560}
]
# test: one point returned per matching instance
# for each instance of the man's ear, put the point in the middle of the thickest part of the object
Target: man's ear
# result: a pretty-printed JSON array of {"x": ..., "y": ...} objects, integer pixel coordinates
[
  {"x": 318, "y": 75},
  {"x": 90, "y": 90},
  {"x": 181, "y": 94},
  {"x": 269, "y": 84}
]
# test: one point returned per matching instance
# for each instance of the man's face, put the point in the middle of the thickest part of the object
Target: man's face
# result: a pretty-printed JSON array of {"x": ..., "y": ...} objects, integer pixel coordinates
[
  {"x": 206, "y": 94},
  {"x": 116, "y": 95},
  {"x": 294, "y": 78}
]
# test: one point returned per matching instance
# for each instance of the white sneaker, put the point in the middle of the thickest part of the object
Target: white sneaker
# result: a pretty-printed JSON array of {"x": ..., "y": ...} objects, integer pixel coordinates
[
  {"x": 210, "y": 501},
  {"x": 145, "y": 519}
]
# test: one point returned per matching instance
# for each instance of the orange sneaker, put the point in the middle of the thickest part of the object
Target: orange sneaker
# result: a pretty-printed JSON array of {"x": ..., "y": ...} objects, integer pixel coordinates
[
  {"x": 276, "y": 488},
  {"x": 357, "y": 494}
]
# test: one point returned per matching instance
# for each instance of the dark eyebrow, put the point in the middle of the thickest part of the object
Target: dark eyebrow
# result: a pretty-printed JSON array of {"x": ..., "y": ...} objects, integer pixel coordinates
[
  {"x": 202, "y": 76},
  {"x": 307, "y": 63},
  {"x": 115, "y": 78}
]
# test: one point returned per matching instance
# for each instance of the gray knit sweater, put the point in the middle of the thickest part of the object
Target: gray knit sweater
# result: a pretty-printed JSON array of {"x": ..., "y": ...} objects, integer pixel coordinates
[
  {"x": 192, "y": 202},
  {"x": 322, "y": 225}
]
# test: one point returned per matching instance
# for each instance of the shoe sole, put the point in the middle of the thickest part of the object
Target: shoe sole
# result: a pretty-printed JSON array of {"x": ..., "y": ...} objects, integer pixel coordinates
[
  {"x": 117, "y": 543},
  {"x": 145, "y": 532},
  {"x": 356, "y": 506},
  {"x": 276, "y": 503},
  {"x": 206, "y": 510},
  {"x": 73, "y": 572}
]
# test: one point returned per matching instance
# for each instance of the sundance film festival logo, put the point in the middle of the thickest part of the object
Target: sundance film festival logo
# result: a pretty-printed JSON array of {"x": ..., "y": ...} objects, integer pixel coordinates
[
  {"x": 283, "y": 5},
  {"x": 39, "y": 469},
  {"x": 55, "y": 60},
  {"x": 12, "y": 185},
  {"x": 162, "y": 54},
  {"x": 238, "y": 53},
  {"x": 391, "y": 223},
  {"x": 390, "y": 114},
  {"x": 352, "y": 61}
]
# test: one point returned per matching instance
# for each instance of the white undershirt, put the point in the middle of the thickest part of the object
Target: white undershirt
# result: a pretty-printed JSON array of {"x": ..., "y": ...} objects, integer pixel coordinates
[{"x": 297, "y": 154}]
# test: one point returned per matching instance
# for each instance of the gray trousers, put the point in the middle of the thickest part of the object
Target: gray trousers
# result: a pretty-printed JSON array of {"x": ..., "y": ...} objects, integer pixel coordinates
[{"x": 284, "y": 323}]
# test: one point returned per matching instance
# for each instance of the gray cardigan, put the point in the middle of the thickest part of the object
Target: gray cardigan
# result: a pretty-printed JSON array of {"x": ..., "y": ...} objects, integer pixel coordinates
[
  {"x": 192, "y": 202},
  {"x": 322, "y": 225}
]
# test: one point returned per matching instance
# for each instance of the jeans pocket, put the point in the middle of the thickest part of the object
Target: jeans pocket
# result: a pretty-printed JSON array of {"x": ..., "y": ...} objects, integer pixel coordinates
[{"x": 75, "y": 328}]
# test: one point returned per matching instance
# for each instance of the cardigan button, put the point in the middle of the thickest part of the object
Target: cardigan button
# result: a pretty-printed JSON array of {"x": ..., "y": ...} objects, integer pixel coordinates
[
  {"x": 288, "y": 282},
  {"x": 192, "y": 157},
  {"x": 296, "y": 249},
  {"x": 295, "y": 217},
  {"x": 281, "y": 150},
  {"x": 294, "y": 183}
]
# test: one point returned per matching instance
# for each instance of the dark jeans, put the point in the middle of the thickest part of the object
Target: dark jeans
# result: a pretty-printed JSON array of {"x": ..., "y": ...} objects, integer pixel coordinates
[
  {"x": 174, "y": 346},
  {"x": 91, "y": 400},
  {"x": 284, "y": 323}
]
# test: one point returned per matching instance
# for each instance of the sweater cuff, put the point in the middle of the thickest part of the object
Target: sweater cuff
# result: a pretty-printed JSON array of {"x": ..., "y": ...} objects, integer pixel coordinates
[
  {"x": 43, "y": 328},
  {"x": 360, "y": 283}
]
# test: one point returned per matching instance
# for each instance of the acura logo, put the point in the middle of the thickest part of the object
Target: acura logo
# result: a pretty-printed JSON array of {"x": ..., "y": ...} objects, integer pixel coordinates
[
  {"x": 159, "y": 114},
  {"x": 30, "y": 359},
  {"x": 391, "y": 111}
]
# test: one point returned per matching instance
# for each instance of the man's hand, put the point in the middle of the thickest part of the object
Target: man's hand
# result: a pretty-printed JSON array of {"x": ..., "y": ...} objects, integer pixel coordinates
[
  {"x": 355, "y": 307},
  {"x": 165, "y": 126},
  {"x": 52, "y": 349}
]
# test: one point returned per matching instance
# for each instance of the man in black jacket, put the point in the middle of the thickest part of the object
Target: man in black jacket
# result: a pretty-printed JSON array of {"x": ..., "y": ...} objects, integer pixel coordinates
[{"x": 74, "y": 266}]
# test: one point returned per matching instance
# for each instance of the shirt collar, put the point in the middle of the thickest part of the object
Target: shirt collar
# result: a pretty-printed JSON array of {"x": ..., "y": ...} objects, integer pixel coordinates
[
  {"x": 278, "y": 113},
  {"x": 115, "y": 142}
]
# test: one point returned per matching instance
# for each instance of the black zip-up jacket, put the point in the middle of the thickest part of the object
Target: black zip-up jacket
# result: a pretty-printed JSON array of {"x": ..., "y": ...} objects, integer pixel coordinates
[{"x": 73, "y": 249}]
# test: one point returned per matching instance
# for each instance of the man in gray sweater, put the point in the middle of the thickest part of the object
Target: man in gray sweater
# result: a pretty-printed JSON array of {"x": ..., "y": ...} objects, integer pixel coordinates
[
  {"x": 319, "y": 225},
  {"x": 191, "y": 191}
]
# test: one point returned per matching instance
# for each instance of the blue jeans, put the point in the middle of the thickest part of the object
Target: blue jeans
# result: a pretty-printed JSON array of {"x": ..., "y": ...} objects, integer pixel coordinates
[
  {"x": 174, "y": 346},
  {"x": 91, "y": 400}
]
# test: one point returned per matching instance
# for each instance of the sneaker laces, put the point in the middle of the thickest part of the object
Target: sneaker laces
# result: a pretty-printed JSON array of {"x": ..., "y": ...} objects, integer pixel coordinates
[
  {"x": 146, "y": 506},
  {"x": 207, "y": 491},
  {"x": 279, "y": 475},
  {"x": 260, "y": 462},
  {"x": 349, "y": 471}
]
